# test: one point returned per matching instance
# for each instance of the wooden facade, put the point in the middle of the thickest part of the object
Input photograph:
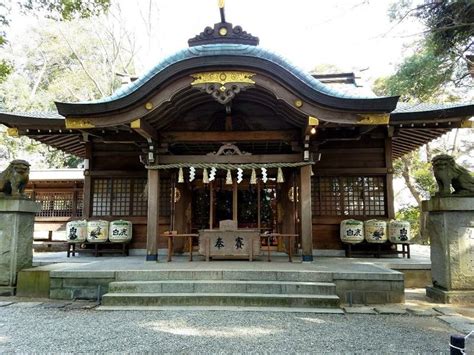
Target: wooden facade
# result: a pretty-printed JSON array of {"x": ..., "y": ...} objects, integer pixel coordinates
[{"x": 335, "y": 149}]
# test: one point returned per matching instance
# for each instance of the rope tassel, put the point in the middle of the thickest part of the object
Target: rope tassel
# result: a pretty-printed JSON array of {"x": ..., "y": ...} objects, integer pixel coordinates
[
  {"x": 228, "y": 179},
  {"x": 253, "y": 177},
  {"x": 180, "y": 176},
  {"x": 205, "y": 176},
  {"x": 280, "y": 178}
]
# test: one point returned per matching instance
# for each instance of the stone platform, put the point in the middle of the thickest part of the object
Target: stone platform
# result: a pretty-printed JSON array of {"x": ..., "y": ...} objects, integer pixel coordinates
[{"x": 124, "y": 281}]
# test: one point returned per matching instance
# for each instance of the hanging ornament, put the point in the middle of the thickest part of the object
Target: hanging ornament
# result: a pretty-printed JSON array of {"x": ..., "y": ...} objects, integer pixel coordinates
[
  {"x": 192, "y": 173},
  {"x": 280, "y": 178},
  {"x": 240, "y": 174},
  {"x": 180, "y": 176},
  {"x": 212, "y": 175},
  {"x": 228, "y": 179},
  {"x": 312, "y": 173},
  {"x": 205, "y": 176},
  {"x": 264, "y": 175},
  {"x": 253, "y": 177}
]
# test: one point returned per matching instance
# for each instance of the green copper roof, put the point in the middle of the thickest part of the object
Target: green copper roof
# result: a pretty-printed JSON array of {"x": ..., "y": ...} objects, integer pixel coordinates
[{"x": 225, "y": 49}]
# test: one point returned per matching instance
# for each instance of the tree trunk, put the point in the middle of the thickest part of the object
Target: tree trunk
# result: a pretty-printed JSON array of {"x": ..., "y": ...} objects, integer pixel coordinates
[{"x": 422, "y": 238}]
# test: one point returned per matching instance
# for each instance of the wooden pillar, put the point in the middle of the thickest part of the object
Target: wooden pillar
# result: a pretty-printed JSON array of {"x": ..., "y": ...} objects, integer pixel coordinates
[
  {"x": 306, "y": 223},
  {"x": 153, "y": 216},
  {"x": 173, "y": 203},
  {"x": 389, "y": 178},
  {"x": 235, "y": 204},
  {"x": 259, "y": 207},
  {"x": 87, "y": 191},
  {"x": 211, "y": 204}
]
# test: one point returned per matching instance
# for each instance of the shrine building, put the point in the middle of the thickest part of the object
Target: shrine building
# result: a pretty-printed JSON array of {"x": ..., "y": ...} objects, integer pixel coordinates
[{"x": 226, "y": 130}]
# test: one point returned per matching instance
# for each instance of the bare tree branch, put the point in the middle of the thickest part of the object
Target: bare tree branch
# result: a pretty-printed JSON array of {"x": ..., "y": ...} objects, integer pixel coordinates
[{"x": 96, "y": 84}]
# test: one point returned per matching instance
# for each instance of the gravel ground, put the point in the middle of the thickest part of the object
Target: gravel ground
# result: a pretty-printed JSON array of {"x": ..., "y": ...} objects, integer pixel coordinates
[{"x": 61, "y": 330}]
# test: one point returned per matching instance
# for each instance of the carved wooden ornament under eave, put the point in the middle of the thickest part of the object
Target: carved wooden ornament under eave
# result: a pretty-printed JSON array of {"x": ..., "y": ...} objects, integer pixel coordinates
[{"x": 224, "y": 85}]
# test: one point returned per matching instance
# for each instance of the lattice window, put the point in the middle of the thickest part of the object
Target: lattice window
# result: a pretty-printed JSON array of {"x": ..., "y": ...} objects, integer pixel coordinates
[
  {"x": 348, "y": 196},
  {"x": 139, "y": 200},
  {"x": 55, "y": 204},
  {"x": 126, "y": 197},
  {"x": 101, "y": 197},
  {"x": 79, "y": 204}
]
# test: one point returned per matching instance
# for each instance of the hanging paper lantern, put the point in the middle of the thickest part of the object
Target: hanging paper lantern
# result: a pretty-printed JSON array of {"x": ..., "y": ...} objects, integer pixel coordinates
[
  {"x": 253, "y": 177},
  {"x": 264, "y": 175},
  {"x": 192, "y": 173},
  {"x": 180, "y": 176},
  {"x": 280, "y": 178},
  {"x": 212, "y": 175},
  {"x": 205, "y": 176},
  {"x": 228, "y": 179},
  {"x": 240, "y": 174}
]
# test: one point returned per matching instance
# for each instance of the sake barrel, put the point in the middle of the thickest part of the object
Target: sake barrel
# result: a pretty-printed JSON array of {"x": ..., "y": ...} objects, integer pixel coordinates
[
  {"x": 399, "y": 231},
  {"x": 97, "y": 231},
  {"x": 352, "y": 231},
  {"x": 375, "y": 231},
  {"x": 76, "y": 231},
  {"x": 120, "y": 231}
]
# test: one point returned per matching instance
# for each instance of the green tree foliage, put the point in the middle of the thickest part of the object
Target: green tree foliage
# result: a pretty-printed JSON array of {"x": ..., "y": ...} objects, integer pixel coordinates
[
  {"x": 67, "y": 9},
  {"x": 410, "y": 214},
  {"x": 61, "y": 10},
  {"x": 419, "y": 78},
  {"x": 441, "y": 56},
  {"x": 58, "y": 61}
]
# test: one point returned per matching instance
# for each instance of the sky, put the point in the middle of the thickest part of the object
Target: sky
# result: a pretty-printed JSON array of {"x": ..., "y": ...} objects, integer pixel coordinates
[
  {"x": 353, "y": 35},
  {"x": 350, "y": 34}
]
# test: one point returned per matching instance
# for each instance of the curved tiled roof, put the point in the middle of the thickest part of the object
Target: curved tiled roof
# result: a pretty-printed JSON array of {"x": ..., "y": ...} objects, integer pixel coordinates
[{"x": 228, "y": 49}]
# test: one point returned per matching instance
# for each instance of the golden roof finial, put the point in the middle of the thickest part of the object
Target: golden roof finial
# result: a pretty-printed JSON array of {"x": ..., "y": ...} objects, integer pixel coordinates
[{"x": 221, "y": 4}]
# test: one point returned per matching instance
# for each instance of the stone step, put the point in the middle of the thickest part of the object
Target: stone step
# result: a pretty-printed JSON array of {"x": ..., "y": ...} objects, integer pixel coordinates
[
  {"x": 223, "y": 286},
  {"x": 243, "y": 275},
  {"x": 219, "y": 299}
]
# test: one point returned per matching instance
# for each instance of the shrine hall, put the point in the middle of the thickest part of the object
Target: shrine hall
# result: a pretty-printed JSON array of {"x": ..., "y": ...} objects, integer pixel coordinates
[{"x": 227, "y": 131}]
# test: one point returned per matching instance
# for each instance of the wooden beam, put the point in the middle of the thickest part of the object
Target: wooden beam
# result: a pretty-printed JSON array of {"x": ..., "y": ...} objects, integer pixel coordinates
[
  {"x": 231, "y": 159},
  {"x": 230, "y": 136},
  {"x": 349, "y": 171},
  {"x": 117, "y": 173},
  {"x": 144, "y": 129}
]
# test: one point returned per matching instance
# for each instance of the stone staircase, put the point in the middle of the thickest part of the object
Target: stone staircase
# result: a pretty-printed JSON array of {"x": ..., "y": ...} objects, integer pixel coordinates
[{"x": 249, "y": 288}]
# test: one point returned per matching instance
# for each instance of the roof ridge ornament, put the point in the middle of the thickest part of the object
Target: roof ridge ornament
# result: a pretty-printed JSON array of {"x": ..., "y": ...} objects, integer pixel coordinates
[{"x": 223, "y": 32}]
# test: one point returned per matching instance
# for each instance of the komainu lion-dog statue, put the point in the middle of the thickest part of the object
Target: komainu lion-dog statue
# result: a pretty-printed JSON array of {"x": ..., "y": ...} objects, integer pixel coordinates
[
  {"x": 448, "y": 173},
  {"x": 14, "y": 178}
]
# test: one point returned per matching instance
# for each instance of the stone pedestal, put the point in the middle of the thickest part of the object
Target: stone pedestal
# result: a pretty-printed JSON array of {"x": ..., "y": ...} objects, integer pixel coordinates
[
  {"x": 17, "y": 218},
  {"x": 450, "y": 226}
]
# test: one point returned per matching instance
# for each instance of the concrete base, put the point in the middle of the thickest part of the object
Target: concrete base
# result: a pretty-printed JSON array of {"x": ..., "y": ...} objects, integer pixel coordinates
[
  {"x": 450, "y": 226},
  {"x": 444, "y": 296},
  {"x": 7, "y": 291},
  {"x": 16, "y": 238},
  {"x": 416, "y": 278}
]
